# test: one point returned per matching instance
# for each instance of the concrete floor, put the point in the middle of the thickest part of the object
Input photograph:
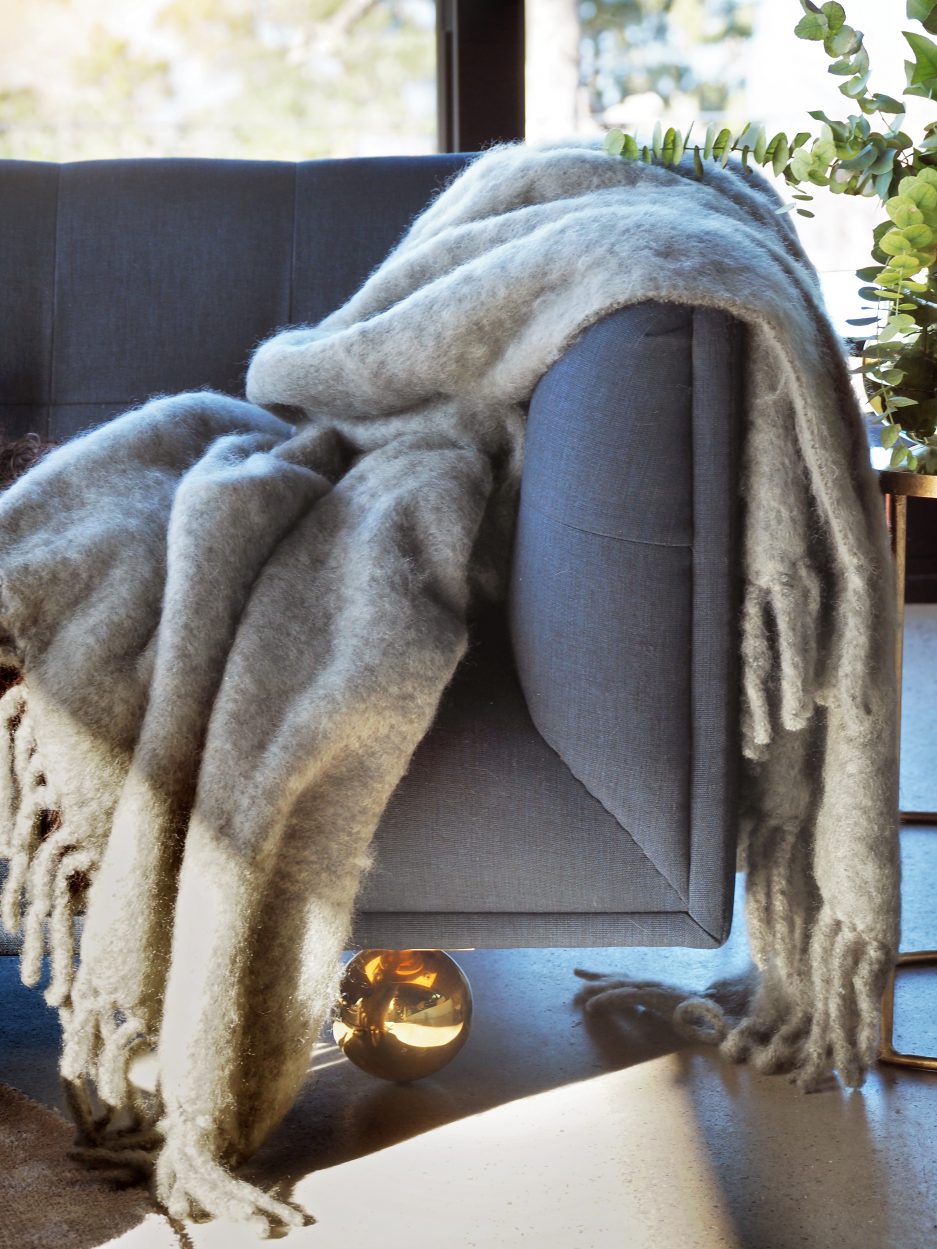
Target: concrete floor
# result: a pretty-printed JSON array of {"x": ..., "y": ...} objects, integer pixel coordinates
[{"x": 554, "y": 1131}]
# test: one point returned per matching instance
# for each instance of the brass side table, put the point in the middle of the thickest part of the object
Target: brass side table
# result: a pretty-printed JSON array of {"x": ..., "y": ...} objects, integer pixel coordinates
[{"x": 897, "y": 488}]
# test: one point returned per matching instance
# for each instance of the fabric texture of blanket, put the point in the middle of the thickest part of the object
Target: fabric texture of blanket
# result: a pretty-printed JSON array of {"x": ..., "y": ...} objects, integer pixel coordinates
[{"x": 232, "y": 622}]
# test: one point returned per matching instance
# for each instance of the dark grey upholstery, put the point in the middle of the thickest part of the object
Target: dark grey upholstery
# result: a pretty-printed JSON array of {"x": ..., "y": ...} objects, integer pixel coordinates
[{"x": 578, "y": 786}]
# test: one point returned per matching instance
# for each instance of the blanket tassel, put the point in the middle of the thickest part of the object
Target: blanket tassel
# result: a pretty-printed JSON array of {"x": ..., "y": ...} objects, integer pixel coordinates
[
  {"x": 775, "y": 1034},
  {"x": 12, "y": 708},
  {"x": 43, "y": 860},
  {"x": 190, "y": 1183}
]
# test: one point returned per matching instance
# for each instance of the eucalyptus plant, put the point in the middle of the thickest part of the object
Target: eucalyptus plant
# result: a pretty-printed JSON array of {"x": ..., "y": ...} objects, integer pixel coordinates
[{"x": 868, "y": 153}]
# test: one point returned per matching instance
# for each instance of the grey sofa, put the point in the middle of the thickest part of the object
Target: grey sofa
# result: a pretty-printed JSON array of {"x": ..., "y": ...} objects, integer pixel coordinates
[{"x": 578, "y": 786}]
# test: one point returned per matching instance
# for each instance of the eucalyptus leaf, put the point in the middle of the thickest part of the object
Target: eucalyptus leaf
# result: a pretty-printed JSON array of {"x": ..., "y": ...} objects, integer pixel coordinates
[
  {"x": 860, "y": 58},
  {"x": 722, "y": 143},
  {"x": 844, "y": 42},
  {"x": 855, "y": 86},
  {"x": 903, "y": 211},
  {"x": 925, "y": 12},
  {"x": 889, "y": 436},
  {"x": 885, "y": 162},
  {"x": 812, "y": 26},
  {"x": 781, "y": 154},
  {"x": 615, "y": 142},
  {"x": 866, "y": 153},
  {"x": 919, "y": 236},
  {"x": 834, "y": 13},
  {"x": 925, "y": 58},
  {"x": 887, "y": 103},
  {"x": 862, "y": 160}
]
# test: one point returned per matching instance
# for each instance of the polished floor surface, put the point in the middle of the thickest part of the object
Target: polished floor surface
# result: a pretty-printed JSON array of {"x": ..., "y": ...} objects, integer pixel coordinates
[{"x": 551, "y": 1130}]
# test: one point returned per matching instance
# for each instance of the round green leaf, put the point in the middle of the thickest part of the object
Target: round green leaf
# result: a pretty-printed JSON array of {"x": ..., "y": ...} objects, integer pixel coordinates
[
  {"x": 615, "y": 142},
  {"x": 834, "y": 13},
  {"x": 906, "y": 264},
  {"x": 903, "y": 211},
  {"x": 812, "y": 26},
  {"x": 843, "y": 42},
  {"x": 920, "y": 192},
  {"x": 894, "y": 243},
  {"x": 919, "y": 236},
  {"x": 889, "y": 436}
]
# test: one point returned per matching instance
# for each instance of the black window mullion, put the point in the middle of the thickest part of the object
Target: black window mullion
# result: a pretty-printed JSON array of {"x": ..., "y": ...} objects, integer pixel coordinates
[{"x": 480, "y": 73}]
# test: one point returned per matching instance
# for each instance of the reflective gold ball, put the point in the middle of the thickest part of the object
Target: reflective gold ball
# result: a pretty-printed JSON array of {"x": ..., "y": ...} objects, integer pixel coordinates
[{"x": 402, "y": 1014}]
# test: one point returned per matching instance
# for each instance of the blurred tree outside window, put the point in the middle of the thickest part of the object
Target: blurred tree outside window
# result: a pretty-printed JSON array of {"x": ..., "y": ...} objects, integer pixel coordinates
[
  {"x": 266, "y": 79},
  {"x": 593, "y": 64}
]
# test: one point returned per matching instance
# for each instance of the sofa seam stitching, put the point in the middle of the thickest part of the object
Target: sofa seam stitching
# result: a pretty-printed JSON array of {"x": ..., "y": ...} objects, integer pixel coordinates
[
  {"x": 614, "y": 537},
  {"x": 50, "y": 394}
]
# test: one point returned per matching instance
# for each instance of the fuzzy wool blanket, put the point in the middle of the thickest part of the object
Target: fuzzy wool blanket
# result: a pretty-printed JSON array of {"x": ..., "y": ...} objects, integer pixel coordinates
[{"x": 232, "y": 623}]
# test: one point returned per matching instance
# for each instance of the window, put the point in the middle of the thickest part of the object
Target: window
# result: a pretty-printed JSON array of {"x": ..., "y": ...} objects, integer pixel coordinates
[
  {"x": 592, "y": 64},
  {"x": 272, "y": 79}
]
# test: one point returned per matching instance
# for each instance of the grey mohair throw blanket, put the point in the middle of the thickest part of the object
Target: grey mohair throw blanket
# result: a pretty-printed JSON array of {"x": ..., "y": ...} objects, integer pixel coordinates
[{"x": 232, "y": 623}]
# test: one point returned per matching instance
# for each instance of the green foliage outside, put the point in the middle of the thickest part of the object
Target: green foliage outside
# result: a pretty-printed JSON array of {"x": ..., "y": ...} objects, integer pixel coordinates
[
  {"x": 669, "y": 47},
  {"x": 856, "y": 156},
  {"x": 270, "y": 79}
]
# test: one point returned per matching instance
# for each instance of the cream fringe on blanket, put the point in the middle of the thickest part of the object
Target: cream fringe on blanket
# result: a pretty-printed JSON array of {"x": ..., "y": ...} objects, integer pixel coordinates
[{"x": 233, "y": 629}]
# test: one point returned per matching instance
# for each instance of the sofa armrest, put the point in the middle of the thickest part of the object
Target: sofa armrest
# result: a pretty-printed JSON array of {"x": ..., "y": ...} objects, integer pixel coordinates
[{"x": 623, "y": 587}]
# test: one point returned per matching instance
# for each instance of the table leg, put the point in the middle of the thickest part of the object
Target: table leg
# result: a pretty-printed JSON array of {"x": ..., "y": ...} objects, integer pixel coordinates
[{"x": 896, "y": 515}]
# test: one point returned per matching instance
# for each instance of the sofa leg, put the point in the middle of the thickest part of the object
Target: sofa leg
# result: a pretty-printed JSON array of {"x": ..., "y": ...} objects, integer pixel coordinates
[{"x": 402, "y": 1014}]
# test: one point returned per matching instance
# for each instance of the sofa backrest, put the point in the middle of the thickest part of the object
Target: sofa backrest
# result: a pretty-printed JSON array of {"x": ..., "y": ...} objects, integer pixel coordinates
[{"x": 124, "y": 279}]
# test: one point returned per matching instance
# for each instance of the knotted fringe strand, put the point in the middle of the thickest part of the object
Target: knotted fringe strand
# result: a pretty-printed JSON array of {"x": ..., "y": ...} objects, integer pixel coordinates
[
  {"x": 756, "y": 668},
  {"x": 779, "y": 639},
  {"x": 796, "y": 606},
  {"x": 99, "y": 1144},
  {"x": 113, "y": 1072},
  {"x": 26, "y": 838},
  {"x": 100, "y": 1041},
  {"x": 12, "y": 707},
  {"x": 603, "y": 994},
  {"x": 42, "y": 861},
  {"x": 842, "y": 980},
  {"x": 189, "y": 1182},
  {"x": 843, "y": 983},
  {"x": 62, "y": 924},
  {"x": 42, "y": 887}
]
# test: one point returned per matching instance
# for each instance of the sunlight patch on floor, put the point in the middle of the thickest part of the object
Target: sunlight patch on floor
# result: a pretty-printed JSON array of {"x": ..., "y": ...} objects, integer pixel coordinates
[{"x": 617, "y": 1159}]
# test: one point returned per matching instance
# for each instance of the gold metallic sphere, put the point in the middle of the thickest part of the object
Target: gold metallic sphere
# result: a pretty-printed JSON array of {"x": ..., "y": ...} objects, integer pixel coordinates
[{"x": 402, "y": 1014}]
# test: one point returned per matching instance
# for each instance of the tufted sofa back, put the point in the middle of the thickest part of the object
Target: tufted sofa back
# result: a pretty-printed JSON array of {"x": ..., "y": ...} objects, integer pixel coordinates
[{"x": 123, "y": 279}]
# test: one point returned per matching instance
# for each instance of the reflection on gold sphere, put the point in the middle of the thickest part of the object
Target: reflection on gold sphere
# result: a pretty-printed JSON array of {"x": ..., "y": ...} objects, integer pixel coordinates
[{"x": 402, "y": 1014}]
